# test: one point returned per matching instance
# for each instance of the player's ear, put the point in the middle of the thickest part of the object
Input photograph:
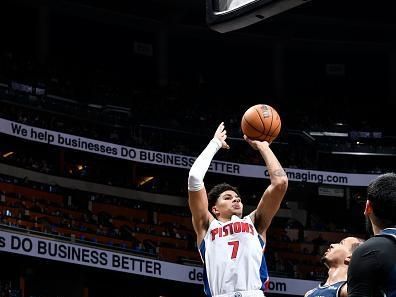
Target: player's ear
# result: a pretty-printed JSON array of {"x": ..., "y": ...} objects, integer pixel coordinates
[
  {"x": 214, "y": 210},
  {"x": 369, "y": 208},
  {"x": 347, "y": 260}
]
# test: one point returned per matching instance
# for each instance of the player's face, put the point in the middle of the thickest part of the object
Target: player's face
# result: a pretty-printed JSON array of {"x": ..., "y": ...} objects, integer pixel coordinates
[
  {"x": 338, "y": 252},
  {"x": 228, "y": 204}
]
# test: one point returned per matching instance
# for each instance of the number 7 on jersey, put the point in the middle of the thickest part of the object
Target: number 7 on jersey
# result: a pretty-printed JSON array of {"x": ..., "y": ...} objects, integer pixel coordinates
[{"x": 235, "y": 247}]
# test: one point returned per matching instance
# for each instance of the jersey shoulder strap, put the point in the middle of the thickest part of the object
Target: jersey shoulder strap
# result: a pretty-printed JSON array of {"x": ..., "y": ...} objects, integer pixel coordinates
[
  {"x": 343, "y": 283},
  {"x": 389, "y": 233}
]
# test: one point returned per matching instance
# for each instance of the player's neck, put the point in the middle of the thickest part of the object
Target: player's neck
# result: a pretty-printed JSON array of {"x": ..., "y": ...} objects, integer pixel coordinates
[
  {"x": 226, "y": 218},
  {"x": 377, "y": 229},
  {"x": 223, "y": 219},
  {"x": 337, "y": 274}
]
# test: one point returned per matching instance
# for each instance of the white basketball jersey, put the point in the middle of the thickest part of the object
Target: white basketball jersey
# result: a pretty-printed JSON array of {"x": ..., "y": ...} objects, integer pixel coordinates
[{"x": 233, "y": 257}]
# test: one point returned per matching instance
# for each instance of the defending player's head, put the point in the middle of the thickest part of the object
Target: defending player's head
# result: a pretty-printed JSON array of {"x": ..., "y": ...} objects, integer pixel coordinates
[
  {"x": 381, "y": 201},
  {"x": 339, "y": 254},
  {"x": 224, "y": 201}
]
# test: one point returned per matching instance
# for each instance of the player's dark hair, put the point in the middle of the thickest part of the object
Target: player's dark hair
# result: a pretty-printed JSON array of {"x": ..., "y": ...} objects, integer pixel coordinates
[
  {"x": 216, "y": 191},
  {"x": 382, "y": 194}
]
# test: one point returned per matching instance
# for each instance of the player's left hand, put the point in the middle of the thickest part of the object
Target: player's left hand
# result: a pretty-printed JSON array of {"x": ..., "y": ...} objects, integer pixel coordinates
[{"x": 221, "y": 134}]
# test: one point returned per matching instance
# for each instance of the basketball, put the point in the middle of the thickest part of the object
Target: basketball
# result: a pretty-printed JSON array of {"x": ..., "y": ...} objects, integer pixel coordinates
[{"x": 261, "y": 122}]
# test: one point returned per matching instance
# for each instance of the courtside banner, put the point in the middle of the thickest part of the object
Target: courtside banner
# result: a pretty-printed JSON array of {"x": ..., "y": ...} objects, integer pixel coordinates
[
  {"x": 173, "y": 160},
  {"x": 78, "y": 254},
  {"x": 40, "y": 247}
]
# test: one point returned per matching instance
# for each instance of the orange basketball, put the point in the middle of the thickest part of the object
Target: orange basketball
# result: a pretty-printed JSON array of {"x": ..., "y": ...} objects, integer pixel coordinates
[{"x": 261, "y": 122}]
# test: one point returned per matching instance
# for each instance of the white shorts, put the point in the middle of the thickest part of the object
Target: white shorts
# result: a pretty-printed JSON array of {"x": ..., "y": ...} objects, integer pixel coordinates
[{"x": 252, "y": 293}]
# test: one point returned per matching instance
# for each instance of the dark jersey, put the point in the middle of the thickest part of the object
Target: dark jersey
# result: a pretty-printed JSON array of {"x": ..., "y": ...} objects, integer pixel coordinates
[
  {"x": 332, "y": 290},
  {"x": 372, "y": 270}
]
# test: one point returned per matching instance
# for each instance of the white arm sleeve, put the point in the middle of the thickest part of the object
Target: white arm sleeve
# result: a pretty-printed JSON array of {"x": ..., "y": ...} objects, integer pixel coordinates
[{"x": 201, "y": 165}]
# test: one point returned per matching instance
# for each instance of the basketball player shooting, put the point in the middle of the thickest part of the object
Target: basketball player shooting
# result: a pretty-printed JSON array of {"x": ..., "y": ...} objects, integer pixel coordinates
[{"x": 232, "y": 246}]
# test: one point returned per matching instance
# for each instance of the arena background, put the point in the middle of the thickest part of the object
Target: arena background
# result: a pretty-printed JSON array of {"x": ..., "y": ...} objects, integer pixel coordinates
[{"x": 105, "y": 105}]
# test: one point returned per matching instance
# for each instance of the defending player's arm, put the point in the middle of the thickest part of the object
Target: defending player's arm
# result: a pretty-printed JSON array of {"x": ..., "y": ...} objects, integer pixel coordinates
[
  {"x": 271, "y": 200},
  {"x": 197, "y": 197}
]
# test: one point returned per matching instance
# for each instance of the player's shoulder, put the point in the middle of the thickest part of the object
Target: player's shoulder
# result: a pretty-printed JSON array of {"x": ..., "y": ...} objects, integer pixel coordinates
[
  {"x": 381, "y": 240},
  {"x": 373, "y": 244},
  {"x": 307, "y": 294},
  {"x": 247, "y": 218}
]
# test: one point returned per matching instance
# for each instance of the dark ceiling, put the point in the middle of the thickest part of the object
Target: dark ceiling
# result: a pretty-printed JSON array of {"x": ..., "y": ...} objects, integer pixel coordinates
[{"x": 350, "y": 19}]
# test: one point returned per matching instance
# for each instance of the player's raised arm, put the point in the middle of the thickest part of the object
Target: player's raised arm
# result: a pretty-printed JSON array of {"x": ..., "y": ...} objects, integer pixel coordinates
[
  {"x": 197, "y": 196},
  {"x": 271, "y": 200}
]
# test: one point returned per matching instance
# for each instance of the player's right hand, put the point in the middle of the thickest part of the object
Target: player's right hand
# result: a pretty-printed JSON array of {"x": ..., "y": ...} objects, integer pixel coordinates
[
  {"x": 255, "y": 144},
  {"x": 221, "y": 134}
]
